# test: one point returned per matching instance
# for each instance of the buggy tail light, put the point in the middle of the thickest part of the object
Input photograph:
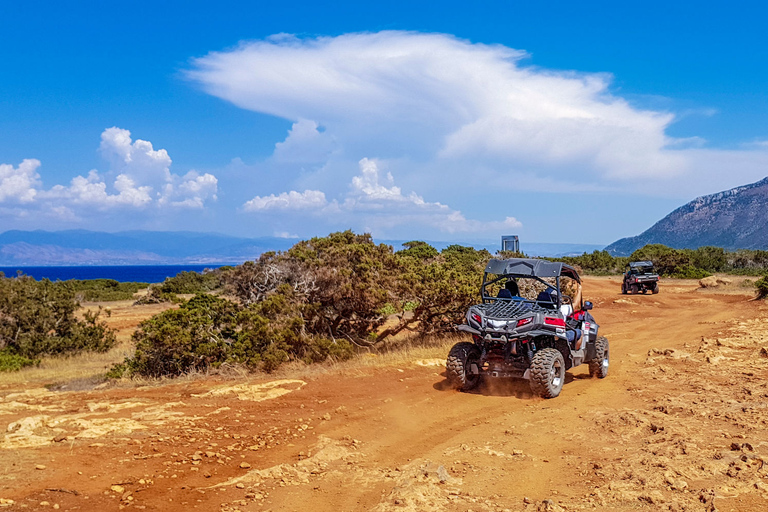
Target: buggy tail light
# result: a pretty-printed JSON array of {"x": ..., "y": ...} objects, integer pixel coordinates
[
  {"x": 476, "y": 317},
  {"x": 557, "y": 322},
  {"x": 524, "y": 321}
]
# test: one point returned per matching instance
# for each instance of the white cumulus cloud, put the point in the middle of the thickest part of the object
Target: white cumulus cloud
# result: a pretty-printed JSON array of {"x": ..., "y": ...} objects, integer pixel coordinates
[
  {"x": 19, "y": 184},
  {"x": 138, "y": 179},
  {"x": 374, "y": 203},
  {"x": 307, "y": 200}
]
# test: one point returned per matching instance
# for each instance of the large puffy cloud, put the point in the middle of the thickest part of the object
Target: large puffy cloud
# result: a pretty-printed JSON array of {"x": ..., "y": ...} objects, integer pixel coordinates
[
  {"x": 452, "y": 99},
  {"x": 444, "y": 108}
]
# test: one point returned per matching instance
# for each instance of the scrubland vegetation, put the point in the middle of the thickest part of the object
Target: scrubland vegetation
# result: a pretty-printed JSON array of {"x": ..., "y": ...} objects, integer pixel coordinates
[
  {"x": 37, "y": 318},
  {"x": 324, "y": 298},
  {"x": 679, "y": 263}
]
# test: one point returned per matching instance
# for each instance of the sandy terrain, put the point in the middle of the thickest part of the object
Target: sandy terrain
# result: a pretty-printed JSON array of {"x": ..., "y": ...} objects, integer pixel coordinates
[{"x": 679, "y": 424}]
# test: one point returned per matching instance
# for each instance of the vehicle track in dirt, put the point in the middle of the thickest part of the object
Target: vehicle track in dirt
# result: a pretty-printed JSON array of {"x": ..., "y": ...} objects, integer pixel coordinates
[{"x": 678, "y": 424}]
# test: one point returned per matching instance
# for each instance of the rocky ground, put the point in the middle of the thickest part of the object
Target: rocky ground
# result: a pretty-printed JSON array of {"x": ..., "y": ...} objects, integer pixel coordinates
[{"x": 679, "y": 424}]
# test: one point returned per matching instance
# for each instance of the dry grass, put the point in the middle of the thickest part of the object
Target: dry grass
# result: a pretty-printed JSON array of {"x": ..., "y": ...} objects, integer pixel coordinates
[
  {"x": 87, "y": 370},
  {"x": 54, "y": 370}
]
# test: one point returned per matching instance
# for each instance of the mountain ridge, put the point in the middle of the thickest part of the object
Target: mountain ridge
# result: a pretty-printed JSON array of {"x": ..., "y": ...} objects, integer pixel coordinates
[{"x": 733, "y": 219}]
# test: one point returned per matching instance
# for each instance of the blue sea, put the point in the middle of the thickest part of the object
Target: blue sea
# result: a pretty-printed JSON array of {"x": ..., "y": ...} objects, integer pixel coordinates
[{"x": 122, "y": 273}]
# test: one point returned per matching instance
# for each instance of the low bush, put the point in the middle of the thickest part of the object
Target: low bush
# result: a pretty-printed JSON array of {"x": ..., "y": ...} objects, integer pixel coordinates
[
  {"x": 207, "y": 331},
  {"x": 762, "y": 287},
  {"x": 10, "y": 362},
  {"x": 38, "y": 318},
  {"x": 194, "y": 282},
  {"x": 688, "y": 271},
  {"x": 155, "y": 295},
  {"x": 102, "y": 290}
]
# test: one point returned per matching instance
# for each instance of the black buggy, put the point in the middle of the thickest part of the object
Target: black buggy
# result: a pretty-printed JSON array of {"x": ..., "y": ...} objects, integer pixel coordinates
[
  {"x": 531, "y": 324},
  {"x": 640, "y": 277}
]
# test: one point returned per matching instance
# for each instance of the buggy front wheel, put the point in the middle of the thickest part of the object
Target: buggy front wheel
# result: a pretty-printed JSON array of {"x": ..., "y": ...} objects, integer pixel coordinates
[{"x": 463, "y": 366}]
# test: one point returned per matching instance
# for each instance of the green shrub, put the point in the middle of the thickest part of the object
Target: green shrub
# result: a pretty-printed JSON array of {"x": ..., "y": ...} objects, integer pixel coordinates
[
  {"x": 688, "y": 271},
  {"x": 762, "y": 287},
  {"x": 207, "y": 331},
  {"x": 194, "y": 282},
  {"x": 10, "y": 362},
  {"x": 38, "y": 318},
  {"x": 155, "y": 295},
  {"x": 102, "y": 290}
]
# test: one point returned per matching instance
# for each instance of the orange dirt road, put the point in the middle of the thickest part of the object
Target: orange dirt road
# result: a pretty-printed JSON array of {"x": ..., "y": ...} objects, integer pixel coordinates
[{"x": 678, "y": 424}]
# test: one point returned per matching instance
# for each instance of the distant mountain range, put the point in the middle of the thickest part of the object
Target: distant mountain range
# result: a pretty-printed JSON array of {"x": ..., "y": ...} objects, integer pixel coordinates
[
  {"x": 80, "y": 247},
  {"x": 734, "y": 219}
]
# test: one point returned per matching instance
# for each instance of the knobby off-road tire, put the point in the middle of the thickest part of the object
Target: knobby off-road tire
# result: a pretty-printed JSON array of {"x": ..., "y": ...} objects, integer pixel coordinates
[
  {"x": 633, "y": 289},
  {"x": 460, "y": 358},
  {"x": 655, "y": 289},
  {"x": 623, "y": 289},
  {"x": 598, "y": 367},
  {"x": 547, "y": 373}
]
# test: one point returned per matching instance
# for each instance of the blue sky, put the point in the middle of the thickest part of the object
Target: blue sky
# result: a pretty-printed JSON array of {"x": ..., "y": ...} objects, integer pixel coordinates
[{"x": 558, "y": 121}]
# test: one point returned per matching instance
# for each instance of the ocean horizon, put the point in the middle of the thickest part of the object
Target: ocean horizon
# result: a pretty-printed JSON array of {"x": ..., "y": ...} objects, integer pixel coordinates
[{"x": 122, "y": 273}]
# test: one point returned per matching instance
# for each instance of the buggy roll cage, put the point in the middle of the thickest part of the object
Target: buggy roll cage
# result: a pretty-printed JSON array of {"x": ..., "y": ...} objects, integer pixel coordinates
[{"x": 528, "y": 268}]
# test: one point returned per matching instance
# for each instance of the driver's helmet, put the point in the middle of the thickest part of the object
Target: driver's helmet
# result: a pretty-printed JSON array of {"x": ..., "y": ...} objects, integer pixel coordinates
[{"x": 548, "y": 295}]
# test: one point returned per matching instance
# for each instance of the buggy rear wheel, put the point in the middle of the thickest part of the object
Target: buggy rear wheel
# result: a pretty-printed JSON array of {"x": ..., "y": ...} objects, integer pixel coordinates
[
  {"x": 547, "y": 373},
  {"x": 598, "y": 367},
  {"x": 463, "y": 366},
  {"x": 655, "y": 288},
  {"x": 633, "y": 289}
]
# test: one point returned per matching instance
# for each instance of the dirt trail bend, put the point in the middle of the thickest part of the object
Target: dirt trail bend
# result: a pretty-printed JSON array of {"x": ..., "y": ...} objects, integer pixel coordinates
[{"x": 679, "y": 424}]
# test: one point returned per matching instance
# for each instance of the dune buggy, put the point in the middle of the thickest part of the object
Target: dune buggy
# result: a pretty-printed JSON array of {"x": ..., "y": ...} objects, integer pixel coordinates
[
  {"x": 531, "y": 324},
  {"x": 640, "y": 277}
]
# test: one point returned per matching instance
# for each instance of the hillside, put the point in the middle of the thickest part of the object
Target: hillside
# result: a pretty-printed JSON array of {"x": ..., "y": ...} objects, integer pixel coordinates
[{"x": 733, "y": 219}]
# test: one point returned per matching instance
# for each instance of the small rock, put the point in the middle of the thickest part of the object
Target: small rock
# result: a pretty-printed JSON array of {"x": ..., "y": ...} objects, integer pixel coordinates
[
  {"x": 240, "y": 486},
  {"x": 119, "y": 489},
  {"x": 40, "y": 466},
  {"x": 527, "y": 500},
  {"x": 44, "y": 504},
  {"x": 59, "y": 438},
  {"x": 244, "y": 465},
  {"x": 327, "y": 416}
]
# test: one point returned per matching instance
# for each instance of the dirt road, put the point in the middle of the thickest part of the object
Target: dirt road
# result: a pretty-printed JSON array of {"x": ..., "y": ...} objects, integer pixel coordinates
[{"x": 679, "y": 424}]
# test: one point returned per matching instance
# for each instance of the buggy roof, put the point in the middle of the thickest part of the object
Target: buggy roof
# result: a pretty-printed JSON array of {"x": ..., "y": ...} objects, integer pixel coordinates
[
  {"x": 639, "y": 264},
  {"x": 531, "y": 267}
]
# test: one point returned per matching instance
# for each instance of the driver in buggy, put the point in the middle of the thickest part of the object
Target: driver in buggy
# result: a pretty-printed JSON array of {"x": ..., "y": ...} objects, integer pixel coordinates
[
  {"x": 573, "y": 319},
  {"x": 510, "y": 291}
]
